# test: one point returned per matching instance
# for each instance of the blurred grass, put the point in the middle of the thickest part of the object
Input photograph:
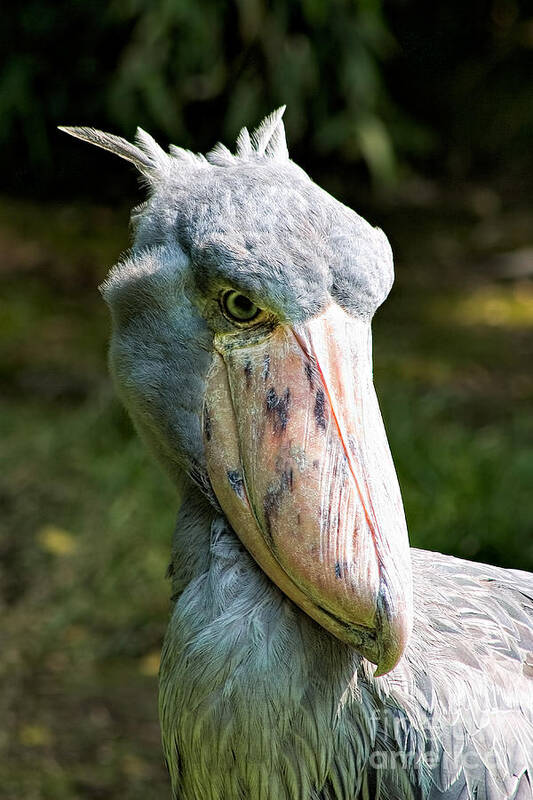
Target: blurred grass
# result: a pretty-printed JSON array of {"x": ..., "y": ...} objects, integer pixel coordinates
[{"x": 87, "y": 520}]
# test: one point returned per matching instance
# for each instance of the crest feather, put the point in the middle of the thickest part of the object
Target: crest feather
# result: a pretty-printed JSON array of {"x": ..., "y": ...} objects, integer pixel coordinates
[
  {"x": 267, "y": 141},
  {"x": 117, "y": 145},
  {"x": 187, "y": 156},
  {"x": 269, "y": 137},
  {"x": 220, "y": 156},
  {"x": 155, "y": 152},
  {"x": 244, "y": 144}
]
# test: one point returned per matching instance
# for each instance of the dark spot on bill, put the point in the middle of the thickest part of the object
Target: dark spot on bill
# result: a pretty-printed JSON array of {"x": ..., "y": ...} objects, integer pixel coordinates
[
  {"x": 278, "y": 408},
  {"x": 236, "y": 482},
  {"x": 341, "y": 569},
  {"x": 310, "y": 374},
  {"x": 248, "y": 373},
  {"x": 320, "y": 409},
  {"x": 266, "y": 367},
  {"x": 289, "y": 477}
]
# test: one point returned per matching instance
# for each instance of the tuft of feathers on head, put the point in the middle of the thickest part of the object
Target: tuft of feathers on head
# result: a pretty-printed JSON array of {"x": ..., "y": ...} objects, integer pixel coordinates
[
  {"x": 269, "y": 137},
  {"x": 267, "y": 141},
  {"x": 146, "y": 154}
]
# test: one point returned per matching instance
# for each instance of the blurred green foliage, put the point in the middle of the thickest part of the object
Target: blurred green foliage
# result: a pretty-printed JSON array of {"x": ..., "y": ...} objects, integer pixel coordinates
[
  {"x": 388, "y": 84},
  {"x": 252, "y": 56},
  {"x": 173, "y": 66}
]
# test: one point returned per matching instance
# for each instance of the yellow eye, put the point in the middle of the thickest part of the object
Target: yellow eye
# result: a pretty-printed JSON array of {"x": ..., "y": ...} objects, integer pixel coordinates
[{"x": 239, "y": 308}]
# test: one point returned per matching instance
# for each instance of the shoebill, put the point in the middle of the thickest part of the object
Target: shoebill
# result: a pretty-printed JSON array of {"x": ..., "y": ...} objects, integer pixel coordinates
[{"x": 310, "y": 654}]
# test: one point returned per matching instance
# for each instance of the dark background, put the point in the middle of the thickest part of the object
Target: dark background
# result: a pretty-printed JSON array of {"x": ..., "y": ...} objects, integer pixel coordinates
[
  {"x": 420, "y": 116},
  {"x": 382, "y": 86}
]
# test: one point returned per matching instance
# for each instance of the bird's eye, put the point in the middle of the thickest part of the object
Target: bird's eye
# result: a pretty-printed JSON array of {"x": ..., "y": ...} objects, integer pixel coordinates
[{"x": 238, "y": 308}]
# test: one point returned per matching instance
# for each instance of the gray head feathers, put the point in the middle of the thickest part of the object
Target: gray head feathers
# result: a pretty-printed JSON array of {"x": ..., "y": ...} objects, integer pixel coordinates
[
  {"x": 266, "y": 142},
  {"x": 255, "y": 218}
]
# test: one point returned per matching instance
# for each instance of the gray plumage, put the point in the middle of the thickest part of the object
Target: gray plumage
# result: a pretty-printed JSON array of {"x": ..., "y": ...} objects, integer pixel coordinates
[{"x": 256, "y": 700}]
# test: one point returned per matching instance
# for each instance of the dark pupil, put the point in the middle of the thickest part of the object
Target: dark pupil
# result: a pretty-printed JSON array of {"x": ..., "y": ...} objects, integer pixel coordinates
[{"x": 242, "y": 303}]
